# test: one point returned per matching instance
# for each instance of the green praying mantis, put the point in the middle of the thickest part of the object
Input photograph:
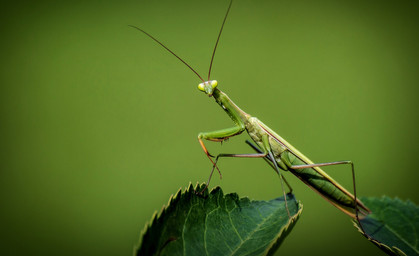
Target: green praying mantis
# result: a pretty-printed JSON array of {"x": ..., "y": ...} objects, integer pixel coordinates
[{"x": 279, "y": 153}]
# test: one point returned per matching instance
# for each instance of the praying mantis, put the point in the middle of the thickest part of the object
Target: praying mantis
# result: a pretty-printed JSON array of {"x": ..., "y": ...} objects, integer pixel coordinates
[{"x": 279, "y": 153}]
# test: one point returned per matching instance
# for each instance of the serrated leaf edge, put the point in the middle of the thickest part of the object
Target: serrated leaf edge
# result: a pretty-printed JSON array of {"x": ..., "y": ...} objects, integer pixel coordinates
[
  {"x": 156, "y": 215},
  {"x": 190, "y": 189},
  {"x": 393, "y": 249}
]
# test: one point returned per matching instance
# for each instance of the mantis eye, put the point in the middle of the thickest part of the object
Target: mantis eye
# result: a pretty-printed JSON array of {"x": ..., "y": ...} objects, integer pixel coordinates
[
  {"x": 201, "y": 87},
  {"x": 214, "y": 83}
]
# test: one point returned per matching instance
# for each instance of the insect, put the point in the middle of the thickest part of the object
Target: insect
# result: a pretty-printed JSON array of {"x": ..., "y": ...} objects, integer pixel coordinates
[{"x": 279, "y": 153}]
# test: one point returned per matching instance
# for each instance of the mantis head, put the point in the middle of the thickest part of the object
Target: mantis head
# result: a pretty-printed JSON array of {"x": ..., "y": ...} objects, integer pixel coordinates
[{"x": 208, "y": 87}]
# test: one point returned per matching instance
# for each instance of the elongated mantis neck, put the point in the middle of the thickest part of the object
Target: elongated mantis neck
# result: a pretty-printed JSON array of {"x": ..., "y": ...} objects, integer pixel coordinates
[{"x": 235, "y": 113}]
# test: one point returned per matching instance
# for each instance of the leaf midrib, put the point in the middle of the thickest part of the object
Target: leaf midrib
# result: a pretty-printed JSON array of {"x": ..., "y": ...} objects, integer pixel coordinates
[{"x": 254, "y": 231}]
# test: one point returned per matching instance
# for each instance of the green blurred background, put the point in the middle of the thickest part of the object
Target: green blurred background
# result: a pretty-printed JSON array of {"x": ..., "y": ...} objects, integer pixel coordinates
[{"x": 99, "y": 123}]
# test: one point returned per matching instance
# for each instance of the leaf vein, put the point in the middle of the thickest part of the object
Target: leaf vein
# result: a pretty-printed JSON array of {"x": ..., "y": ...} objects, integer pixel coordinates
[
  {"x": 401, "y": 238},
  {"x": 205, "y": 228},
  {"x": 183, "y": 229},
  {"x": 231, "y": 221},
  {"x": 257, "y": 228}
]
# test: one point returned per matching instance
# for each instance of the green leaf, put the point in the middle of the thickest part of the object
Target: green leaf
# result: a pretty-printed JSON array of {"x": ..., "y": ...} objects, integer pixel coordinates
[
  {"x": 217, "y": 224},
  {"x": 393, "y": 225}
]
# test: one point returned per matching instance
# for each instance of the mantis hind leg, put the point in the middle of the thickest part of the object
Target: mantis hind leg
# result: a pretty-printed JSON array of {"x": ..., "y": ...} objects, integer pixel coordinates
[{"x": 356, "y": 204}]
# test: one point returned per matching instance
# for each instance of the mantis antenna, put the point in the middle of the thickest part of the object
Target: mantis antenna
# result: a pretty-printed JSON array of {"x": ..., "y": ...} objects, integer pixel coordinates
[
  {"x": 218, "y": 39},
  {"x": 164, "y": 46},
  {"x": 184, "y": 62}
]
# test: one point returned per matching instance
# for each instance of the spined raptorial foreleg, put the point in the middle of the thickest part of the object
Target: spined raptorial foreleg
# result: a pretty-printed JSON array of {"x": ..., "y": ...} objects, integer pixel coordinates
[{"x": 217, "y": 136}]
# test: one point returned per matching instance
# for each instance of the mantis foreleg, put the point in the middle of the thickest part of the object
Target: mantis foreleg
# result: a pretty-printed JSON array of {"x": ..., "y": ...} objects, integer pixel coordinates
[{"x": 219, "y": 135}]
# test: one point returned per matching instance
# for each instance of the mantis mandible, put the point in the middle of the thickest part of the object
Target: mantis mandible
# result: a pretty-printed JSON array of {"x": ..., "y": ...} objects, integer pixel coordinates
[{"x": 279, "y": 153}]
